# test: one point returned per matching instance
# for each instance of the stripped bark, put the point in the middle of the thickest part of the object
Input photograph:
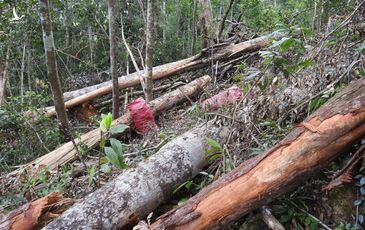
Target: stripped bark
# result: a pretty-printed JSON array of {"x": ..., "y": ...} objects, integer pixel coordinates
[
  {"x": 67, "y": 152},
  {"x": 36, "y": 214},
  {"x": 137, "y": 192},
  {"x": 221, "y": 52},
  {"x": 310, "y": 146}
]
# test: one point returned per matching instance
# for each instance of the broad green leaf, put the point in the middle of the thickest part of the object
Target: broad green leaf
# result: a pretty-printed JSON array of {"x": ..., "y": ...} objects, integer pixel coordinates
[
  {"x": 118, "y": 129},
  {"x": 116, "y": 159},
  {"x": 117, "y": 146}
]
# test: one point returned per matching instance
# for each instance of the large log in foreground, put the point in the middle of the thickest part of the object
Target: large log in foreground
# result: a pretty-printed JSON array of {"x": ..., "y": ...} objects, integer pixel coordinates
[
  {"x": 315, "y": 142},
  {"x": 67, "y": 151},
  {"x": 205, "y": 58},
  {"x": 137, "y": 192}
]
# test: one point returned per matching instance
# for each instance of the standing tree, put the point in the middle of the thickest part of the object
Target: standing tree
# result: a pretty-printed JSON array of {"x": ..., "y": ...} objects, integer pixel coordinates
[
  {"x": 52, "y": 73},
  {"x": 113, "y": 56},
  {"x": 149, "y": 48},
  {"x": 3, "y": 74}
]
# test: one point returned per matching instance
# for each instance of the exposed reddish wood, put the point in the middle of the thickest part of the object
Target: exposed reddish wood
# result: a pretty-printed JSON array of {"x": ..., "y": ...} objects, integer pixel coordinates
[
  {"x": 221, "y": 52},
  {"x": 319, "y": 139},
  {"x": 36, "y": 214},
  {"x": 67, "y": 152}
]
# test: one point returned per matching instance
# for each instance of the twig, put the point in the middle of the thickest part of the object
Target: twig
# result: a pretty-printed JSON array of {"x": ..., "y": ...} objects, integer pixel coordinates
[
  {"x": 270, "y": 219},
  {"x": 141, "y": 79}
]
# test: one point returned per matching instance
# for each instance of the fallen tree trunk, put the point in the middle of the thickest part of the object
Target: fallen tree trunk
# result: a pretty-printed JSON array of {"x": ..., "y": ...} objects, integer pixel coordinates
[
  {"x": 137, "y": 192},
  {"x": 205, "y": 58},
  {"x": 309, "y": 147},
  {"x": 67, "y": 151}
]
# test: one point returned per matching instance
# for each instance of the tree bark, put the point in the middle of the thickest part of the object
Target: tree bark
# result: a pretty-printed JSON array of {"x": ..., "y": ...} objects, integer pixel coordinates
[
  {"x": 113, "y": 57},
  {"x": 221, "y": 52},
  {"x": 206, "y": 24},
  {"x": 3, "y": 76},
  {"x": 149, "y": 49},
  {"x": 52, "y": 73},
  {"x": 67, "y": 152},
  {"x": 320, "y": 138},
  {"x": 36, "y": 214},
  {"x": 138, "y": 191}
]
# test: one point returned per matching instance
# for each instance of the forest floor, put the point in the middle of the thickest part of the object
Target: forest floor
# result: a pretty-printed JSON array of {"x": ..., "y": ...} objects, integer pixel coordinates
[{"x": 272, "y": 105}]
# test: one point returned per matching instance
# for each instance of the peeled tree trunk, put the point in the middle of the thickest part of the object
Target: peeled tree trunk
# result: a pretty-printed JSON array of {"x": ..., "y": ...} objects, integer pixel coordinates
[
  {"x": 138, "y": 191},
  {"x": 331, "y": 130},
  {"x": 67, "y": 151},
  {"x": 221, "y": 52}
]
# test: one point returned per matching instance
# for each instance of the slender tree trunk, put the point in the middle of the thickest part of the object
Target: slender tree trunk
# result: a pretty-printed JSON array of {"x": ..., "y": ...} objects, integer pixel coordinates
[
  {"x": 314, "y": 15},
  {"x": 149, "y": 49},
  {"x": 164, "y": 13},
  {"x": 3, "y": 76},
  {"x": 22, "y": 70},
  {"x": 90, "y": 37},
  {"x": 195, "y": 15},
  {"x": 52, "y": 73},
  {"x": 205, "y": 23},
  {"x": 28, "y": 70},
  {"x": 224, "y": 18},
  {"x": 113, "y": 56}
]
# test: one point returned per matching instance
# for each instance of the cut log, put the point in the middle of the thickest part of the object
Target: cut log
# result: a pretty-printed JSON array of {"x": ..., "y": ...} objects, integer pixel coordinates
[
  {"x": 221, "y": 52},
  {"x": 315, "y": 142},
  {"x": 36, "y": 214},
  {"x": 67, "y": 152},
  {"x": 137, "y": 192}
]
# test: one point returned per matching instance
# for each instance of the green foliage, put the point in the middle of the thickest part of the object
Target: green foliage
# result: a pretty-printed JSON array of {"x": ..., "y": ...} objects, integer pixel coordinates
[
  {"x": 114, "y": 154},
  {"x": 287, "y": 53},
  {"x": 215, "y": 151},
  {"x": 22, "y": 139}
]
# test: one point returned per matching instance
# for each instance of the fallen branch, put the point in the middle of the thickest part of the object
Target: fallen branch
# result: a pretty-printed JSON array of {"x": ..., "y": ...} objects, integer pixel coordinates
[
  {"x": 138, "y": 191},
  {"x": 310, "y": 146},
  {"x": 67, "y": 151},
  {"x": 221, "y": 52}
]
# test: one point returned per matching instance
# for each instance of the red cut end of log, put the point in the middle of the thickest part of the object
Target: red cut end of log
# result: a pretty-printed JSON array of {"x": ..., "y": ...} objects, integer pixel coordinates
[
  {"x": 142, "y": 116},
  {"x": 223, "y": 98}
]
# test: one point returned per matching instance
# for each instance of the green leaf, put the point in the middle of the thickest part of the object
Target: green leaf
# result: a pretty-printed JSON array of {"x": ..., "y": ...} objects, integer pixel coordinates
[
  {"x": 106, "y": 121},
  {"x": 105, "y": 168},
  {"x": 214, "y": 143},
  {"x": 116, "y": 159},
  {"x": 215, "y": 156},
  {"x": 104, "y": 160},
  {"x": 118, "y": 129},
  {"x": 91, "y": 171},
  {"x": 117, "y": 146},
  {"x": 357, "y": 202}
]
